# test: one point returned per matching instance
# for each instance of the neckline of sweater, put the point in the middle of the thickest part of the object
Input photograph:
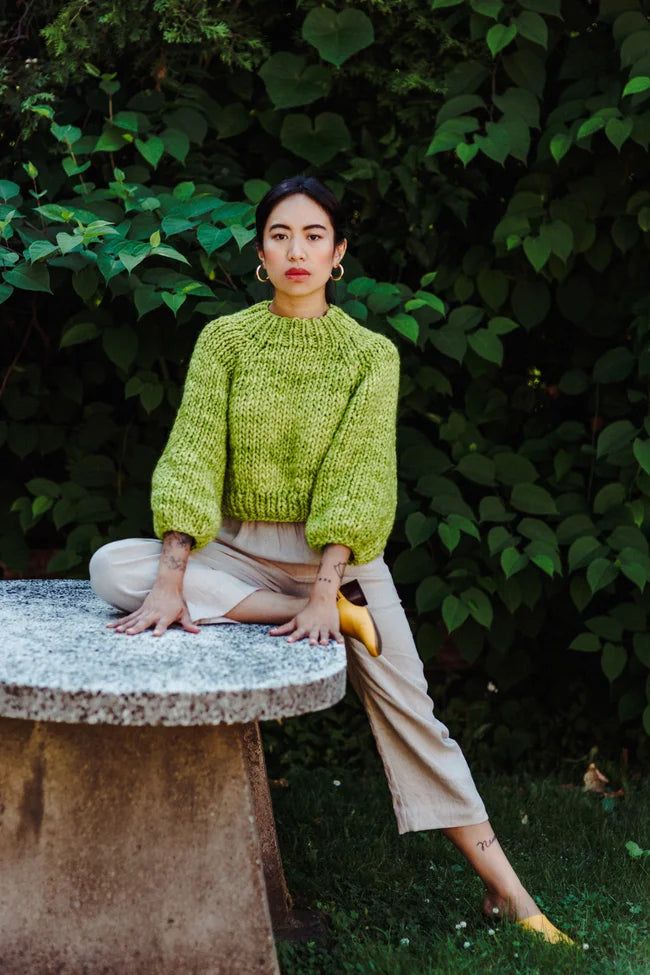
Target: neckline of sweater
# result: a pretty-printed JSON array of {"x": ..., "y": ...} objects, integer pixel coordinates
[
  {"x": 334, "y": 328},
  {"x": 317, "y": 319}
]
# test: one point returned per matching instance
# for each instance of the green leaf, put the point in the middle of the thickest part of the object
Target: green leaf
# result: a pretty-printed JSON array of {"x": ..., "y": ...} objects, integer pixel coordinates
[
  {"x": 613, "y": 660},
  {"x": 131, "y": 253},
  {"x": 618, "y": 131},
  {"x": 537, "y": 250},
  {"x": 450, "y": 341},
  {"x": 450, "y": 536},
  {"x": 607, "y": 627},
  {"x": 533, "y": 499},
  {"x": 406, "y": 325},
  {"x": 499, "y": 36},
  {"x": 29, "y": 277},
  {"x": 613, "y": 366},
  {"x": 581, "y": 551},
  {"x": 173, "y": 300},
  {"x": 42, "y": 485},
  {"x": 454, "y": 613},
  {"x": 8, "y": 189},
  {"x": 318, "y": 141},
  {"x": 560, "y": 145},
  {"x": 587, "y": 642},
  {"x": 600, "y": 573},
  {"x": 513, "y": 468},
  {"x": 512, "y": 561},
  {"x": 486, "y": 344},
  {"x": 464, "y": 525},
  {"x": 641, "y": 450},
  {"x": 418, "y": 528},
  {"x": 614, "y": 436},
  {"x": 610, "y": 496},
  {"x": 337, "y": 36},
  {"x": 120, "y": 345},
  {"x": 290, "y": 81},
  {"x": 152, "y": 149},
  {"x": 533, "y": 27},
  {"x": 81, "y": 332},
  {"x": 479, "y": 606},
  {"x": 477, "y": 468},
  {"x": 636, "y": 85},
  {"x": 590, "y": 126}
]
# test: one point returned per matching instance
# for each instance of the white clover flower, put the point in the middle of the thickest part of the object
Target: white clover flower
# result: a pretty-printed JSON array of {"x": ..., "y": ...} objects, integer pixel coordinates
[
  {"x": 492, "y": 687},
  {"x": 335, "y": 782},
  {"x": 404, "y": 941},
  {"x": 495, "y": 910},
  {"x": 585, "y": 946},
  {"x": 466, "y": 944},
  {"x": 490, "y": 930}
]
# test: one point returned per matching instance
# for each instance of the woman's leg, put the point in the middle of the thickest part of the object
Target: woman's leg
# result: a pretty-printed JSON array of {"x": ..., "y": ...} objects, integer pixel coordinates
[
  {"x": 427, "y": 773},
  {"x": 216, "y": 579}
]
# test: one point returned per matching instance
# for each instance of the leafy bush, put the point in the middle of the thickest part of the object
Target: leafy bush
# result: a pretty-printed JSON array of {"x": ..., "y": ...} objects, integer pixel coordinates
[{"x": 494, "y": 160}]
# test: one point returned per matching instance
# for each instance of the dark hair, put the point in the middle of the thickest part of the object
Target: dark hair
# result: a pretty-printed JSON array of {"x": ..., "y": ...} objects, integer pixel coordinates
[{"x": 310, "y": 186}]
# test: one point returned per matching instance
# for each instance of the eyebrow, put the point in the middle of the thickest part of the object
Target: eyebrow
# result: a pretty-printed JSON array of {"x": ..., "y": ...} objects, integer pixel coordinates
[{"x": 308, "y": 226}]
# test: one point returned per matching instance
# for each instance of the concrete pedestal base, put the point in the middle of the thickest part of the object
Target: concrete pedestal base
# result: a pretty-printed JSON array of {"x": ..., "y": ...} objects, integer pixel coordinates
[{"x": 145, "y": 850}]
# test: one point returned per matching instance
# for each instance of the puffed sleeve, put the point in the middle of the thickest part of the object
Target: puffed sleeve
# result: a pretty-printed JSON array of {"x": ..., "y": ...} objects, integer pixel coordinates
[
  {"x": 354, "y": 497},
  {"x": 187, "y": 482}
]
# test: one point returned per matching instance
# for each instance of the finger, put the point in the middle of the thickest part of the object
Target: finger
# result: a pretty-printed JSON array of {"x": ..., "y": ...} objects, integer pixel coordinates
[
  {"x": 161, "y": 627},
  {"x": 133, "y": 618},
  {"x": 283, "y": 628},
  {"x": 339, "y": 637},
  {"x": 325, "y": 635},
  {"x": 188, "y": 625},
  {"x": 141, "y": 624},
  {"x": 122, "y": 619},
  {"x": 313, "y": 634},
  {"x": 298, "y": 634}
]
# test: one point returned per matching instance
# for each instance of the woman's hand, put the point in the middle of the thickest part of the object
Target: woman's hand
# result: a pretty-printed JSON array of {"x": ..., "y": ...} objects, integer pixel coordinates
[
  {"x": 162, "y": 606},
  {"x": 318, "y": 618}
]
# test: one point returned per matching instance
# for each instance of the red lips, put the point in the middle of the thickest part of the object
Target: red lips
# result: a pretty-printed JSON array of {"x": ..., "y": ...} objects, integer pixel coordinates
[{"x": 294, "y": 273}]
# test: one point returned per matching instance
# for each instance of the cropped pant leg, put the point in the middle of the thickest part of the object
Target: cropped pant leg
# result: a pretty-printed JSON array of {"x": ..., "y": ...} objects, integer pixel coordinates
[{"x": 430, "y": 783}]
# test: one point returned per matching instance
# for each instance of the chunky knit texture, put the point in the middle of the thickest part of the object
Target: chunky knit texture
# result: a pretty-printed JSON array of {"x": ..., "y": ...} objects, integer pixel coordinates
[{"x": 285, "y": 419}]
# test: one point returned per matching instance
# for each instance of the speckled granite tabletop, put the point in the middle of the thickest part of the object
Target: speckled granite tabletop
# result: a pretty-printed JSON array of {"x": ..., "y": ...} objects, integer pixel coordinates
[{"x": 59, "y": 662}]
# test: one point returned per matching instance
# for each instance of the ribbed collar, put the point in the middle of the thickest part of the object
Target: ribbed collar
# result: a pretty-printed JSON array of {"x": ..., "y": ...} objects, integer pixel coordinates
[{"x": 323, "y": 331}]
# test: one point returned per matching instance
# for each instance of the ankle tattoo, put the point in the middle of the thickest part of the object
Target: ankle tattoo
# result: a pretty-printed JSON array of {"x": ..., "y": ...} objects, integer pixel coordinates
[{"x": 484, "y": 844}]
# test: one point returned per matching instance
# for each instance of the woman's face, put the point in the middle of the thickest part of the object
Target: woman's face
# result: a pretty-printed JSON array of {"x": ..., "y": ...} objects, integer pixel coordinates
[{"x": 299, "y": 234}]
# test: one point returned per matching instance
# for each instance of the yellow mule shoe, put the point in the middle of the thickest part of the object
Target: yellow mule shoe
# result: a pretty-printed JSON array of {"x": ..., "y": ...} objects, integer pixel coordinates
[
  {"x": 355, "y": 619},
  {"x": 541, "y": 924}
]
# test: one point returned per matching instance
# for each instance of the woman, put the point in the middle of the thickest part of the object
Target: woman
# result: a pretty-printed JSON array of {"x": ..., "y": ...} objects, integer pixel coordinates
[{"x": 278, "y": 481}]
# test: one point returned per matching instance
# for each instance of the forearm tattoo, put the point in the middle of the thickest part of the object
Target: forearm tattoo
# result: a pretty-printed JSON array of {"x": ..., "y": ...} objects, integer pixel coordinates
[
  {"x": 485, "y": 843},
  {"x": 178, "y": 540},
  {"x": 339, "y": 568}
]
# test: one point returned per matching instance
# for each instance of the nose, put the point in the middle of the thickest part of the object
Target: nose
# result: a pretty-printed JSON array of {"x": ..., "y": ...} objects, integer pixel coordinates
[{"x": 295, "y": 249}]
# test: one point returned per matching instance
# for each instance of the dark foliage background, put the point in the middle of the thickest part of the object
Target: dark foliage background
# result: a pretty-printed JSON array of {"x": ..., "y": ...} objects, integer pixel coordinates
[{"x": 493, "y": 158}]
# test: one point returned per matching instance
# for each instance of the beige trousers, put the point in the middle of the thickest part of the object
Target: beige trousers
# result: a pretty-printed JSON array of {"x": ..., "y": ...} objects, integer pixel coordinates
[{"x": 427, "y": 774}]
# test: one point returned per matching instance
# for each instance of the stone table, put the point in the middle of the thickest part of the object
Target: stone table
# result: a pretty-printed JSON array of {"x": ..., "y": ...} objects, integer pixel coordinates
[{"x": 136, "y": 827}]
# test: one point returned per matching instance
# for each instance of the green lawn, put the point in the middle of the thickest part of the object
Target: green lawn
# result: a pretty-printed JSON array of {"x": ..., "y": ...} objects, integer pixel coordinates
[{"x": 394, "y": 902}]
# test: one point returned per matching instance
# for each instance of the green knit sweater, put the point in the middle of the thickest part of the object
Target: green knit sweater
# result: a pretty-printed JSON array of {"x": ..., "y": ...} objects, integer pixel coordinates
[{"x": 285, "y": 419}]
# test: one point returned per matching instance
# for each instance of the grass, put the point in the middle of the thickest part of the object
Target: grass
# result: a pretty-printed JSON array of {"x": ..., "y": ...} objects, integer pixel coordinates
[{"x": 394, "y": 902}]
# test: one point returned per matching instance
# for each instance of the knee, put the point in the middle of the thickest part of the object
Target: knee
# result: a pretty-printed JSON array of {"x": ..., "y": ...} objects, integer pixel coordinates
[{"x": 104, "y": 572}]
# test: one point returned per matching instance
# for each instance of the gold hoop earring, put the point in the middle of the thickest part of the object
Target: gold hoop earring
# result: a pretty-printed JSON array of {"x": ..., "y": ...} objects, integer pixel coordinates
[
  {"x": 340, "y": 275},
  {"x": 257, "y": 274}
]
